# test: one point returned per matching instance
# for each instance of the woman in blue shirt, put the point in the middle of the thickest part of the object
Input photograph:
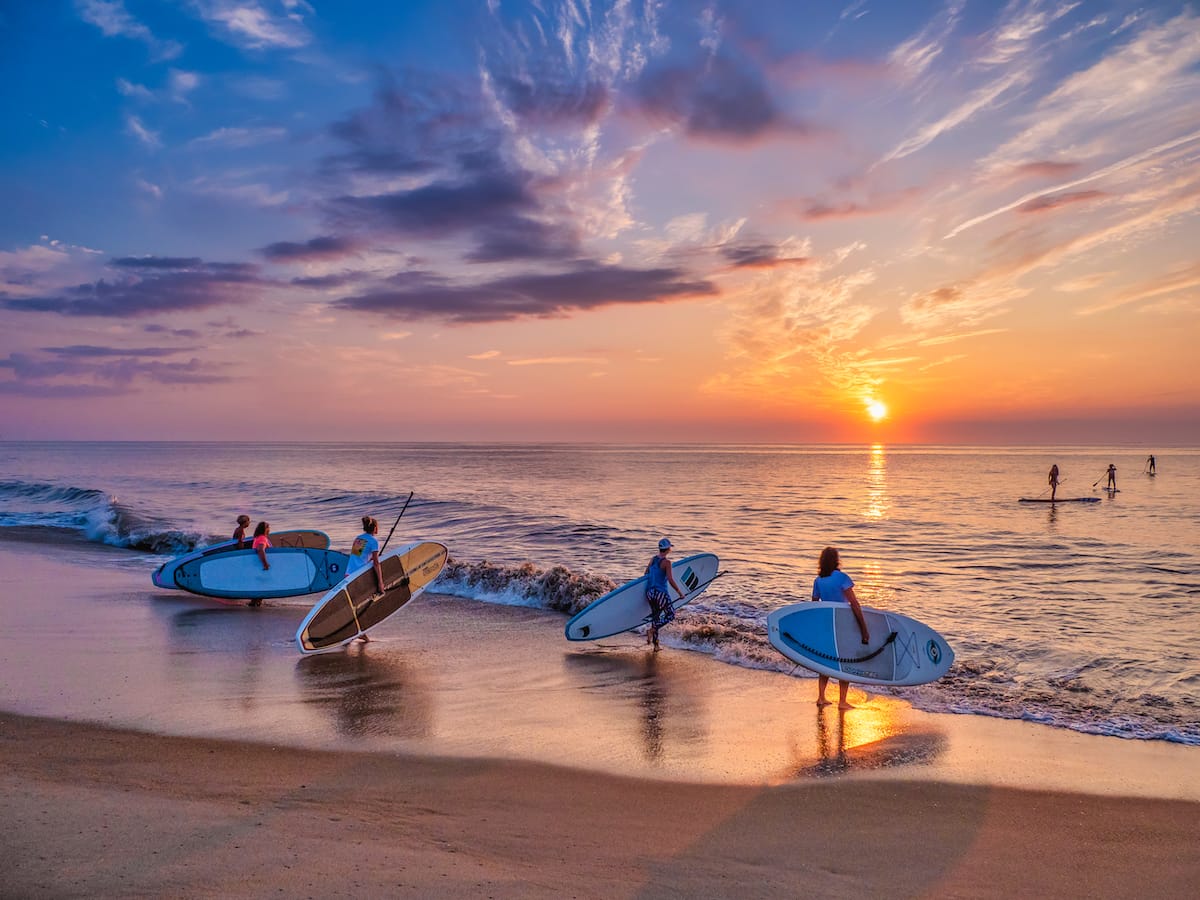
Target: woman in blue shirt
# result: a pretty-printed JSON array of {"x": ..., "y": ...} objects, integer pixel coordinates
[
  {"x": 658, "y": 576},
  {"x": 834, "y": 586}
]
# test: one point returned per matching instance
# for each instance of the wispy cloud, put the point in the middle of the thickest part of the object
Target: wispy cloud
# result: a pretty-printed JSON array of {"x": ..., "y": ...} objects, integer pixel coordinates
[
  {"x": 246, "y": 24},
  {"x": 240, "y": 137},
  {"x": 148, "y": 138},
  {"x": 114, "y": 20}
]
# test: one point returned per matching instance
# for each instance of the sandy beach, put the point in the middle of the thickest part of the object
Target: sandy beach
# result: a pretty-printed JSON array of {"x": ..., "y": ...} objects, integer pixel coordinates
[{"x": 160, "y": 744}]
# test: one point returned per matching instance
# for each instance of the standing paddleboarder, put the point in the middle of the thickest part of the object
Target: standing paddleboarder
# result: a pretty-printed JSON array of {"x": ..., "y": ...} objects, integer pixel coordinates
[
  {"x": 658, "y": 576},
  {"x": 1150, "y": 465},
  {"x": 1053, "y": 479},
  {"x": 1112, "y": 477}
]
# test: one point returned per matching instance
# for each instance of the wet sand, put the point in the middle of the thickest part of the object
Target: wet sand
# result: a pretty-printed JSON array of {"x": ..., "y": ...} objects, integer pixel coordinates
[{"x": 164, "y": 744}]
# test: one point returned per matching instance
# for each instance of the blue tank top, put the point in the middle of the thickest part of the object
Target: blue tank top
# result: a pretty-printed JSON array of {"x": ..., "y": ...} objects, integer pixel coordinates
[{"x": 656, "y": 578}]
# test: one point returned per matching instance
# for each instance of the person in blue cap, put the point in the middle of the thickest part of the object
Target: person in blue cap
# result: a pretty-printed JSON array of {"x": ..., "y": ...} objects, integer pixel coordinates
[{"x": 658, "y": 576}]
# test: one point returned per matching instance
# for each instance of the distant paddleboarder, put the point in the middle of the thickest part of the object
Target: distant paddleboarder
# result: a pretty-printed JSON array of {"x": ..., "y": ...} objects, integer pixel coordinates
[
  {"x": 1150, "y": 464},
  {"x": 1053, "y": 479},
  {"x": 658, "y": 576},
  {"x": 1112, "y": 477}
]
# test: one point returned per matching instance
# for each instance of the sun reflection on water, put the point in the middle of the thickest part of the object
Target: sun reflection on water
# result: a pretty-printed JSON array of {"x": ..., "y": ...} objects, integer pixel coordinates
[{"x": 877, "y": 502}]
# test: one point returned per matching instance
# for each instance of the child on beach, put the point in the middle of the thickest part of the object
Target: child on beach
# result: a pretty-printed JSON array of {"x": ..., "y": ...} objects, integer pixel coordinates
[
  {"x": 658, "y": 576},
  {"x": 834, "y": 586},
  {"x": 262, "y": 543},
  {"x": 239, "y": 533}
]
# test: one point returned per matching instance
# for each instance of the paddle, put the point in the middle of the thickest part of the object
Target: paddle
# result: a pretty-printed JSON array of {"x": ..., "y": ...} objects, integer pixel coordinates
[{"x": 397, "y": 522}]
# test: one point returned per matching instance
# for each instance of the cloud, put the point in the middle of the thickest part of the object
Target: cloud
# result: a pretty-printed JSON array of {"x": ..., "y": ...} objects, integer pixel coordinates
[
  {"x": 246, "y": 24},
  {"x": 91, "y": 351},
  {"x": 163, "y": 284},
  {"x": 586, "y": 287},
  {"x": 715, "y": 98},
  {"x": 239, "y": 137},
  {"x": 1049, "y": 202},
  {"x": 113, "y": 20},
  {"x": 1186, "y": 278},
  {"x": 486, "y": 354},
  {"x": 321, "y": 248},
  {"x": 759, "y": 256},
  {"x": 135, "y": 127},
  {"x": 558, "y": 361}
]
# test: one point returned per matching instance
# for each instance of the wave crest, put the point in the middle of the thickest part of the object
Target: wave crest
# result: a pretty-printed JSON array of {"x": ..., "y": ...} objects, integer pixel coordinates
[{"x": 557, "y": 588}]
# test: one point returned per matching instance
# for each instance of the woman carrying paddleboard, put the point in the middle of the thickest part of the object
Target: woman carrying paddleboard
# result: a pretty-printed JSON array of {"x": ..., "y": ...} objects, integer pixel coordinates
[
  {"x": 658, "y": 576},
  {"x": 834, "y": 586}
]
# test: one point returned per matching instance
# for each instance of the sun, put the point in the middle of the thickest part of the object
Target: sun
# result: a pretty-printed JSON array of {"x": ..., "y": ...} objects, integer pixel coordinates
[{"x": 876, "y": 410}]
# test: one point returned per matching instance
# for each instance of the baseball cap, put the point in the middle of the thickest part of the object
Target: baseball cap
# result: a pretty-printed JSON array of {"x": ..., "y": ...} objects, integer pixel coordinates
[{"x": 664, "y": 544}]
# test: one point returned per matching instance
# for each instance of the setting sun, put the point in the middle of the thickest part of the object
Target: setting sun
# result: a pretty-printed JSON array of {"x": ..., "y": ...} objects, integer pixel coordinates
[{"x": 876, "y": 410}]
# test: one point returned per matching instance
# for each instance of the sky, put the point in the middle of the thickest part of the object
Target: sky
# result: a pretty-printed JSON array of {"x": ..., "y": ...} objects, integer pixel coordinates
[{"x": 600, "y": 221}]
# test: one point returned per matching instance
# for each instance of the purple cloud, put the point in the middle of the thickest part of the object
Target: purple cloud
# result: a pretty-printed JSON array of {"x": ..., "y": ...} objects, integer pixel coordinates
[
  {"x": 318, "y": 248},
  {"x": 198, "y": 286},
  {"x": 421, "y": 295}
]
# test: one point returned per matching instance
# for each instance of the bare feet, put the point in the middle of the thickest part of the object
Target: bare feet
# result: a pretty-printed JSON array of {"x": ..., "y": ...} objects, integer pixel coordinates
[
  {"x": 257, "y": 601},
  {"x": 823, "y": 702},
  {"x": 363, "y": 638},
  {"x": 847, "y": 706}
]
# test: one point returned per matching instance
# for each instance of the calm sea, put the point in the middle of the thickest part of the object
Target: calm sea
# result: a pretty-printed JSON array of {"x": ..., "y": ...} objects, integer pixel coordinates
[{"x": 1082, "y": 616}]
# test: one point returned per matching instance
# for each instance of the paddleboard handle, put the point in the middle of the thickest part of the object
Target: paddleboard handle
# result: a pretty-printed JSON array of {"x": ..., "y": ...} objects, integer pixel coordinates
[{"x": 841, "y": 659}]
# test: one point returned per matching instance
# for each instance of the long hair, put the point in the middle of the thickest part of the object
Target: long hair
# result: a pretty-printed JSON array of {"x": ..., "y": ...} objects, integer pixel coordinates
[
  {"x": 828, "y": 562},
  {"x": 261, "y": 528}
]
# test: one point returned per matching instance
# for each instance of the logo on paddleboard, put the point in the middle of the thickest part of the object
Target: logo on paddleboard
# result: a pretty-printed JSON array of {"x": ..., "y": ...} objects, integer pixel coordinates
[
  {"x": 934, "y": 651},
  {"x": 690, "y": 578}
]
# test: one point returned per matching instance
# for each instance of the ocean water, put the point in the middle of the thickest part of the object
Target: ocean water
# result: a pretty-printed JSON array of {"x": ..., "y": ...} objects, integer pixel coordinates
[{"x": 1082, "y": 615}]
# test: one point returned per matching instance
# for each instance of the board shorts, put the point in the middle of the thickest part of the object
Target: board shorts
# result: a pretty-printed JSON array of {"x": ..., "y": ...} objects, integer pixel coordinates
[{"x": 661, "y": 610}]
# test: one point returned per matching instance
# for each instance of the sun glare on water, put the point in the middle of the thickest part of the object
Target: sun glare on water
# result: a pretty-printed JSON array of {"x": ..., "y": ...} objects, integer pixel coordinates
[{"x": 876, "y": 410}]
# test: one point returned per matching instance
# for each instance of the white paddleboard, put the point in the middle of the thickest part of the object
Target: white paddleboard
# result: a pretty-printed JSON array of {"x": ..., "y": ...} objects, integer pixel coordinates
[
  {"x": 626, "y": 608},
  {"x": 825, "y": 637},
  {"x": 164, "y": 575}
]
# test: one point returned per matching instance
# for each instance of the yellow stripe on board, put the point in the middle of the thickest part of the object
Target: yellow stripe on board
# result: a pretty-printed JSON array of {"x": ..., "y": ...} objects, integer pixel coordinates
[{"x": 353, "y": 611}]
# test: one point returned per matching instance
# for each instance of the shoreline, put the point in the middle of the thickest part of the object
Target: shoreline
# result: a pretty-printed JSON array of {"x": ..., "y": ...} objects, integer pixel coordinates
[{"x": 99, "y": 811}]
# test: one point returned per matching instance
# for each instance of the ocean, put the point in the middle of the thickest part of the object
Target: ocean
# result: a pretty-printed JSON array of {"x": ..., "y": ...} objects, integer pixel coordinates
[{"x": 1083, "y": 616}]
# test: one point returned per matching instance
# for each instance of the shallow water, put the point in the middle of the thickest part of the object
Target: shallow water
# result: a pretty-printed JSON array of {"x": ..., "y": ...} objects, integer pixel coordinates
[{"x": 1082, "y": 616}]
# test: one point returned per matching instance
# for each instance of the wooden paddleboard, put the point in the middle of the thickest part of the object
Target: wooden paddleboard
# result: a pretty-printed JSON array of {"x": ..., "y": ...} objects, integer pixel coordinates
[
  {"x": 239, "y": 574},
  {"x": 824, "y": 637},
  {"x": 356, "y": 605},
  {"x": 626, "y": 608},
  {"x": 164, "y": 575}
]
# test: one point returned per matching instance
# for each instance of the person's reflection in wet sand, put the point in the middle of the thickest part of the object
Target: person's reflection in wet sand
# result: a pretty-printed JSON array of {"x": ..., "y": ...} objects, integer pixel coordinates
[
  {"x": 892, "y": 748},
  {"x": 198, "y": 635},
  {"x": 644, "y": 678},
  {"x": 367, "y": 694}
]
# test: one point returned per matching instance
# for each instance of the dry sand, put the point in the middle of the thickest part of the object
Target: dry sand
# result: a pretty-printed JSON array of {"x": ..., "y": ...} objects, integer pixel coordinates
[{"x": 95, "y": 812}]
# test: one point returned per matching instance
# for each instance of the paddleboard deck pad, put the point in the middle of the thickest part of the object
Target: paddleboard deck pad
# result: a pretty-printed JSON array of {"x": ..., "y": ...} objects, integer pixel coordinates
[
  {"x": 625, "y": 608},
  {"x": 1060, "y": 500},
  {"x": 824, "y": 637},
  {"x": 356, "y": 605},
  {"x": 164, "y": 575},
  {"x": 239, "y": 574}
]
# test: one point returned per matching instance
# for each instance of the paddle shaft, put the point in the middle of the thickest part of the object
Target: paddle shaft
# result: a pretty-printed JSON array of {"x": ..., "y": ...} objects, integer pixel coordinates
[{"x": 397, "y": 522}]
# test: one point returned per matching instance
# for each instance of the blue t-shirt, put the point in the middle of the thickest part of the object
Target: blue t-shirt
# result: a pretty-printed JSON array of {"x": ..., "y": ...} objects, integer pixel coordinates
[
  {"x": 832, "y": 587},
  {"x": 360, "y": 552}
]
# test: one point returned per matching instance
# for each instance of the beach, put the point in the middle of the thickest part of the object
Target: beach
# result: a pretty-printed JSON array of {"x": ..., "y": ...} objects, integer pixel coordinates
[{"x": 158, "y": 743}]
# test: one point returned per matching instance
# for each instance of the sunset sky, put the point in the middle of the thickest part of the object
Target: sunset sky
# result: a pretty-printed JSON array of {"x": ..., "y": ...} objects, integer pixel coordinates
[{"x": 626, "y": 221}]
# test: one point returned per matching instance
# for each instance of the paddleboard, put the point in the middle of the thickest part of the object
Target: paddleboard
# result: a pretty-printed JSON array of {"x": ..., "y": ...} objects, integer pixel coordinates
[
  {"x": 626, "y": 608},
  {"x": 355, "y": 605},
  {"x": 1060, "y": 500},
  {"x": 239, "y": 574},
  {"x": 164, "y": 575},
  {"x": 824, "y": 637}
]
